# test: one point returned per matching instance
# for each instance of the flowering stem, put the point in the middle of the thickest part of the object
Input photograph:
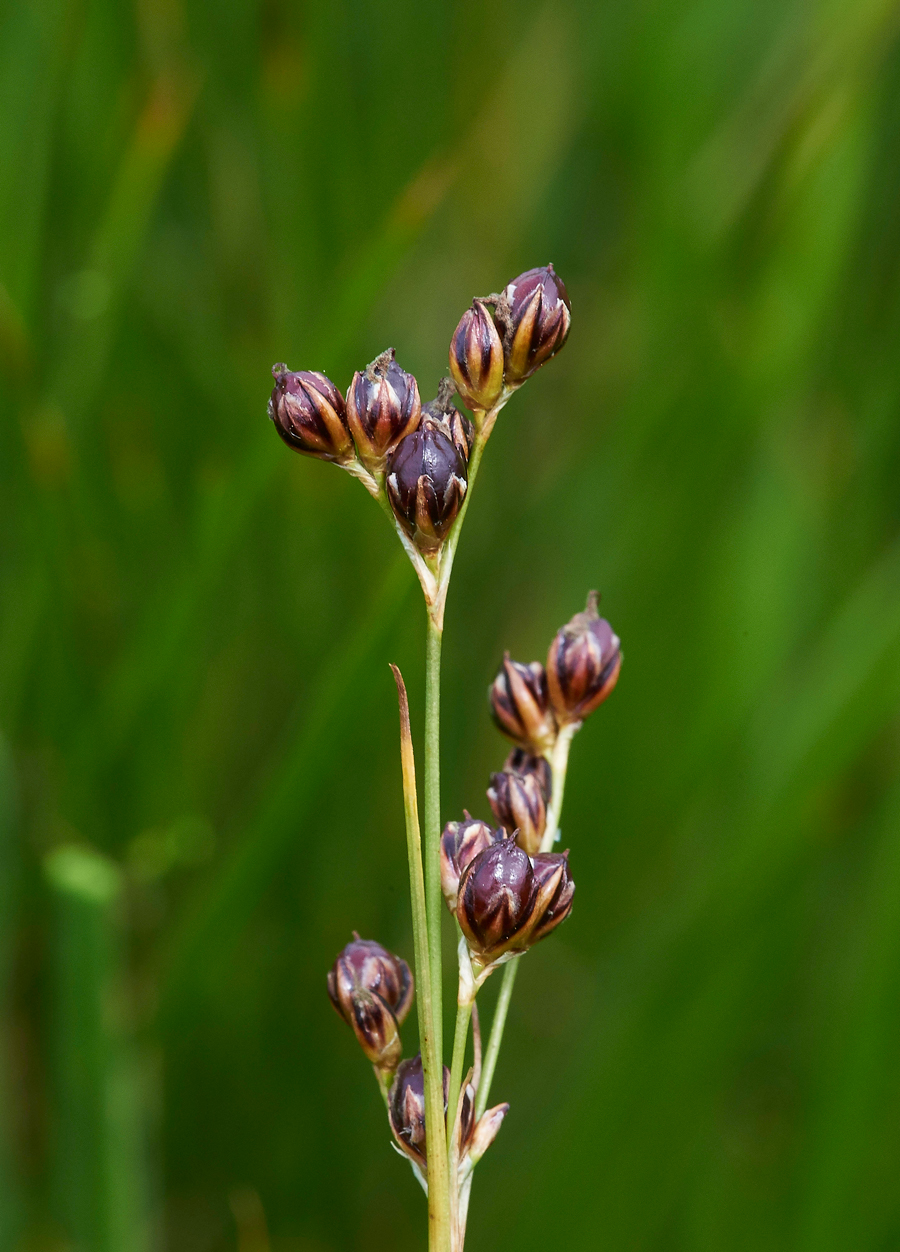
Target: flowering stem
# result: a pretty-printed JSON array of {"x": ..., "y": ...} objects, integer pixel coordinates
[
  {"x": 434, "y": 899},
  {"x": 559, "y": 764},
  {"x": 435, "y": 1142}
]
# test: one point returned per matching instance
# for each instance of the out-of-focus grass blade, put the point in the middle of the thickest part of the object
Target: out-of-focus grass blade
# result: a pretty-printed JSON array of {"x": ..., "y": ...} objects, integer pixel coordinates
[
  {"x": 216, "y": 921},
  {"x": 34, "y": 46},
  {"x": 99, "y": 286},
  {"x": 705, "y": 933},
  {"x": 838, "y": 59},
  {"x": 857, "y": 1054},
  {"x": 99, "y": 1184},
  {"x": 222, "y": 515},
  {"x": 9, "y": 879}
]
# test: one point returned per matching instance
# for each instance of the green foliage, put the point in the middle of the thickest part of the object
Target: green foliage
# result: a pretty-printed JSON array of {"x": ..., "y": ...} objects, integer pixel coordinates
[{"x": 195, "y": 625}]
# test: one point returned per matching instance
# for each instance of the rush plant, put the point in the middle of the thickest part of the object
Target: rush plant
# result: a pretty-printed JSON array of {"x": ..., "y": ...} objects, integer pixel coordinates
[{"x": 505, "y": 885}]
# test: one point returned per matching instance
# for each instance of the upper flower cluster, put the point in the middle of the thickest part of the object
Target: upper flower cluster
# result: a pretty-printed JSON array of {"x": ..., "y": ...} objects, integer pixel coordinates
[
  {"x": 530, "y": 323},
  {"x": 418, "y": 455}
]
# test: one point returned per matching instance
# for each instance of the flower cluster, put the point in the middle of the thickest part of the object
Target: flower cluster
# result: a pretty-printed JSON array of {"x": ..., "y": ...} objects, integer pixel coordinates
[
  {"x": 417, "y": 455},
  {"x": 372, "y": 989},
  {"x": 505, "y": 887},
  {"x": 504, "y": 883},
  {"x": 531, "y": 704}
]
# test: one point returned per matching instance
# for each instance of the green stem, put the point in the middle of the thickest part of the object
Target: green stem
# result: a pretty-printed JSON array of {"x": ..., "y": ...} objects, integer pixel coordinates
[
  {"x": 559, "y": 766},
  {"x": 497, "y": 1026},
  {"x": 434, "y": 899},
  {"x": 435, "y": 1139},
  {"x": 448, "y": 553},
  {"x": 384, "y": 1081},
  {"x": 463, "y": 1014}
]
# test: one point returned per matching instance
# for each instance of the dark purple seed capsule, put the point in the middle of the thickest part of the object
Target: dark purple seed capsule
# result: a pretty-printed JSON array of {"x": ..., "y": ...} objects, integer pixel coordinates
[
  {"x": 461, "y": 842},
  {"x": 372, "y": 990},
  {"x": 495, "y": 894},
  {"x": 583, "y": 664},
  {"x": 406, "y": 1109},
  {"x": 426, "y": 484},
  {"x": 519, "y": 805},
  {"x": 533, "y": 315},
  {"x": 476, "y": 358},
  {"x": 520, "y": 705},
  {"x": 382, "y": 407},
  {"x": 309, "y": 414},
  {"x": 520, "y": 761}
]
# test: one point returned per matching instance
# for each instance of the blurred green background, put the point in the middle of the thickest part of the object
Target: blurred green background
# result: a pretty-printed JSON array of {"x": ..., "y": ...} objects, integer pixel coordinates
[{"x": 199, "y": 782}]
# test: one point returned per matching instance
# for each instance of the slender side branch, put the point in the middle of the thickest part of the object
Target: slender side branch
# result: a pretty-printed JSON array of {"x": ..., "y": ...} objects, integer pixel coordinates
[
  {"x": 497, "y": 1028},
  {"x": 463, "y": 1013},
  {"x": 436, "y": 1144},
  {"x": 559, "y": 763}
]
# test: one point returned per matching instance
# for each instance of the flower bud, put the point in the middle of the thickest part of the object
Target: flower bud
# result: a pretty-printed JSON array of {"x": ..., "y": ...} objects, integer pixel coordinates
[
  {"x": 484, "y": 1132},
  {"x": 460, "y": 843},
  {"x": 522, "y": 762},
  {"x": 520, "y": 706},
  {"x": 519, "y": 805},
  {"x": 583, "y": 664},
  {"x": 372, "y": 990},
  {"x": 406, "y": 1109},
  {"x": 382, "y": 406},
  {"x": 476, "y": 358},
  {"x": 309, "y": 414},
  {"x": 507, "y": 901},
  {"x": 533, "y": 315},
  {"x": 426, "y": 484}
]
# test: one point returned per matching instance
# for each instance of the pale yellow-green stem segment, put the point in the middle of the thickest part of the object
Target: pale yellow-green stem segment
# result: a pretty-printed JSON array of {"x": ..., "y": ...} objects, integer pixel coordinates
[{"x": 435, "y": 1141}]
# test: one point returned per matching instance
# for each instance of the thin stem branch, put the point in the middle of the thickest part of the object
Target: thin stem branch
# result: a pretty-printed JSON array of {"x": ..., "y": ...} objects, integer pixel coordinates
[
  {"x": 497, "y": 1027},
  {"x": 463, "y": 1014},
  {"x": 448, "y": 552},
  {"x": 435, "y": 1140},
  {"x": 559, "y": 765}
]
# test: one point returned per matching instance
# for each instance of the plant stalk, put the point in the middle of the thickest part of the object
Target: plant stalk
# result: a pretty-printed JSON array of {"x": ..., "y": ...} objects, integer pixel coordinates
[
  {"x": 435, "y": 1140},
  {"x": 463, "y": 1014},
  {"x": 559, "y": 766},
  {"x": 434, "y": 899}
]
